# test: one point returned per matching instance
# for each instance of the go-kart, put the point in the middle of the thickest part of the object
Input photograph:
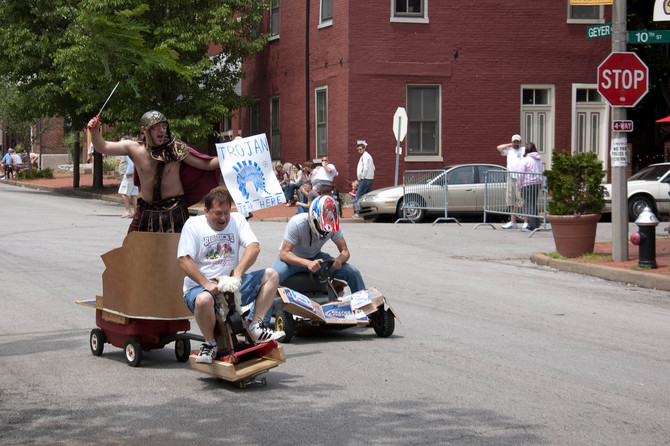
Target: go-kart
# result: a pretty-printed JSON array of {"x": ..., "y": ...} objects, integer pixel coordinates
[{"x": 308, "y": 300}]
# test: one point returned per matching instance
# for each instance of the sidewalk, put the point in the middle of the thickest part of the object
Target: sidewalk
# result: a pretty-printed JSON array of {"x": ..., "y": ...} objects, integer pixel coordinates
[{"x": 600, "y": 265}]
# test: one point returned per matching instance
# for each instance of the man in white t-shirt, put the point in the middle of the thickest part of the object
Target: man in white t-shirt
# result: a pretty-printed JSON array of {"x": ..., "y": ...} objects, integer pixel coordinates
[
  {"x": 514, "y": 152},
  {"x": 322, "y": 176},
  {"x": 209, "y": 247}
]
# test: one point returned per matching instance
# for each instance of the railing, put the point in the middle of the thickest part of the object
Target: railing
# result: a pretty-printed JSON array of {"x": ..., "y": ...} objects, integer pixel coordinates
[
  {"x": 423, "y": 191},
  {"x": 516, "y": 193}
]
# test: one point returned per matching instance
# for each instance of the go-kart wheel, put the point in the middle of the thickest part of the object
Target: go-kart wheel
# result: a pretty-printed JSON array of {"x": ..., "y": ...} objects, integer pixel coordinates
[
  {"x": 133, "y": 352},
  {"x": 383, "y": 322},
  {"x": 182, "y": 349},
  {"x": 97, "y": 341},
  {"x": 284, "y": 322}
]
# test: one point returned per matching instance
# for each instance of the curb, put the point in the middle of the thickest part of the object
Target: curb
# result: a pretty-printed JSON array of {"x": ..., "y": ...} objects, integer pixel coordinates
[{"x": 637, "y": 278}]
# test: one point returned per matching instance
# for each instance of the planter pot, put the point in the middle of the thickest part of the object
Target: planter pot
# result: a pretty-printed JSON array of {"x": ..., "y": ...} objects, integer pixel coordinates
[{"x": 574, "y": 236}]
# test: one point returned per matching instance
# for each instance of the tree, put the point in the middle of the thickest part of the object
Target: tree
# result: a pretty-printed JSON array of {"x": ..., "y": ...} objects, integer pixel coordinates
[{"x": 65, "y": 56}]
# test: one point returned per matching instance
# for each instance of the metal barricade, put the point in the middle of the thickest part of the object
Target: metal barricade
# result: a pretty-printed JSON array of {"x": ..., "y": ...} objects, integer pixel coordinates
[
  {"x": 516, "y": 193},
  {"x": 424, "y": 191}
]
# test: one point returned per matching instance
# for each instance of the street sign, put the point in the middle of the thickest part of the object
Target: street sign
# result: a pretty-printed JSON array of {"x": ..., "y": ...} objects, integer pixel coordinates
[
  {"x": 400, "y": 123},
  {"x": 619, "y": 152},
  {"x": 658, "y": 36},
  {"x": 599, "y": 31},
  {"x": 622, "y": 126},
  {"x": 623, "y": 79}
]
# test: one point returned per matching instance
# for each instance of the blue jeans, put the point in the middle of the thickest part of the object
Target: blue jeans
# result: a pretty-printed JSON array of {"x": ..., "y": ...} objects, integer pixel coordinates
[
  {"x": 290, "y": 190},
  {"x": 251, "y": 284},
  {"x": 348, "y": 272},
  {"x": 364, "y": 186}
]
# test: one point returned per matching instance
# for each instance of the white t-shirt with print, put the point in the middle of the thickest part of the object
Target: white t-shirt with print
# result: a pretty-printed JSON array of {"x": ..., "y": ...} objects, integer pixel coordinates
[{"x": 215, "y": 253}]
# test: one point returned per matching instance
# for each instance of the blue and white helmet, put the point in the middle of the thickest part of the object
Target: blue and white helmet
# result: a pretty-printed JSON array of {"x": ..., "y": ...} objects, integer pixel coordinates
[{"x": 324, "y": 217}]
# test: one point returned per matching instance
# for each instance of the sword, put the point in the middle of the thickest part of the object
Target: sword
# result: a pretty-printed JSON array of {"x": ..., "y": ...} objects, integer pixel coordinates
[{"x": 97, "y": 117}]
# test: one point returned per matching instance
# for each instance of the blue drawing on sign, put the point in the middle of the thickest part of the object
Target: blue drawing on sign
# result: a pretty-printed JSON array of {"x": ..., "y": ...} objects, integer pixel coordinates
[{"x": 248, "y": 171}]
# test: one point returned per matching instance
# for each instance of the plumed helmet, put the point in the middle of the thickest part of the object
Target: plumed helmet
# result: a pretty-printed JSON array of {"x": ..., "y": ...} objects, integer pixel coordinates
[
  {"x": 151, "y": 118},
  {"x": 324, "y": 216}
]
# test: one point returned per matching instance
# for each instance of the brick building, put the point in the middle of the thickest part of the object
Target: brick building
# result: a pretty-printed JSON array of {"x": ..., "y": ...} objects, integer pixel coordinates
[{"x": 470, "y": 74}]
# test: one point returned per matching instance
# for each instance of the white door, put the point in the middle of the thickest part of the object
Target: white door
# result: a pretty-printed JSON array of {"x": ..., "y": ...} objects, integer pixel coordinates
[{"x": 590, "y": 126}]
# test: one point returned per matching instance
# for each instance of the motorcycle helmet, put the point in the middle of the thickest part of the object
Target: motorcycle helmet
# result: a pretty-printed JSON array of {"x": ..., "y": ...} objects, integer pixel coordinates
[{"x": 323, "y": 216}]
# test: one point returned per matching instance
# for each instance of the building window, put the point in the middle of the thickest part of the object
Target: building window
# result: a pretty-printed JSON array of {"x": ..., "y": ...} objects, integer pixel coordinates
[
  {"x": 326, "y": 16},
  {"x": 537, "y": 112},
  {"x": 585, "y": 14},
  {"x": 409, "y": 11},
  {"x": 275, "y": 142},
  {"x": 423, "y": 112},
  {"x": 255, "y": 118},
  {"x": 321, "y": 122},
  {"x": 274, "y": 19}
]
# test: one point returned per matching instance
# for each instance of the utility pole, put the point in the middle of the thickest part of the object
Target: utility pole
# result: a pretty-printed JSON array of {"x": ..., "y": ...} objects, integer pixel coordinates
[{"x": 619, "y": 185}]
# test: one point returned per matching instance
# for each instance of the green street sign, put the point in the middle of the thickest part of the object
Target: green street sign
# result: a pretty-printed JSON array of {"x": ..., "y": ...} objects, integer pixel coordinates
[
  {"x": 599, "y": 31},
  {"x": 658, "y": 36}
]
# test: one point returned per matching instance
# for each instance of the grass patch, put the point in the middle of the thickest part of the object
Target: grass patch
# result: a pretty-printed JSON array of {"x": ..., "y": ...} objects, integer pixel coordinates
[
  {"x": 595, "y": 256},
  {"x": 555, "y": 255}
]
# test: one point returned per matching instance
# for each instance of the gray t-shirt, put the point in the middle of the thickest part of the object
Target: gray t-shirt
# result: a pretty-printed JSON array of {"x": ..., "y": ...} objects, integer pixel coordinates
[{"x": 305, "y": 243}]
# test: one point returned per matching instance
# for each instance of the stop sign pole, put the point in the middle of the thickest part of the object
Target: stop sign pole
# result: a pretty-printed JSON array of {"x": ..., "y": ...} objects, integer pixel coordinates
[{"x": 399, "y": 130}]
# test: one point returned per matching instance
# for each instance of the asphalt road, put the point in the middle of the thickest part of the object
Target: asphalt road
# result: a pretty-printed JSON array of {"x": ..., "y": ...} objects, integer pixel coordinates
[{"x": 492, "y": 349}]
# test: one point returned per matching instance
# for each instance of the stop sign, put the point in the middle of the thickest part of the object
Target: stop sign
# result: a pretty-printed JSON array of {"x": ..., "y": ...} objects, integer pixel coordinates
[{"x": 623, "y": 79}]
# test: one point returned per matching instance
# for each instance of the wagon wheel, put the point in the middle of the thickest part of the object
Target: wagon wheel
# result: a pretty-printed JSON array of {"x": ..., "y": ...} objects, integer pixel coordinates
[
  {"x": 97, "y": 341},
  {"x": 182, "y": 349},
  {"x": 133, "y": 352},
  {"x": 284, "y": 322}
]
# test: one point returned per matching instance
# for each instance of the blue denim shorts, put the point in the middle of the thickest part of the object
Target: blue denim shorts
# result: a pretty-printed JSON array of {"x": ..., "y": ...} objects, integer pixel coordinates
[{"x": 251, "y": 284}]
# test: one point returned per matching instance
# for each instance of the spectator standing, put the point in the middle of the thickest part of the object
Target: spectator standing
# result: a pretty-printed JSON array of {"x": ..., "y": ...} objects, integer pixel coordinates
[
  {"x": 531, "y": 185},
  {"x": 6, "y": 164},
  {"x": 127, "y": 188},
  {"x": 514, "y": 152},
  {"x": 365, "y": 172}
]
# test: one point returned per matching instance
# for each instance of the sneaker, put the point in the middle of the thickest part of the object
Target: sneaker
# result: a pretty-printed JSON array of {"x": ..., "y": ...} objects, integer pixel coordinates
[
  {"x": 260, "y": 333},
  {"x": 207, "y": 353},
  {"x": 510, "y": 225},
  {"x": 525, "y": 229},
  {"x": 524, "y": 226}
]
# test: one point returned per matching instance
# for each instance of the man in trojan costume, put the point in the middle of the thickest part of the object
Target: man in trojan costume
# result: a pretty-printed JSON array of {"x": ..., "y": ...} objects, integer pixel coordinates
[{"x": 172, "y": 175}]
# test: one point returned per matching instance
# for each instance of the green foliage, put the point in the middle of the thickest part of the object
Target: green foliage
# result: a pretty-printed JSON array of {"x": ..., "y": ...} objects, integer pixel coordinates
[
  {"x": 109, "y": 165},
  {"x": 65, "y": 56},
  {"x": 34, "y": 173},
  {"x": 575, "y": 183}
]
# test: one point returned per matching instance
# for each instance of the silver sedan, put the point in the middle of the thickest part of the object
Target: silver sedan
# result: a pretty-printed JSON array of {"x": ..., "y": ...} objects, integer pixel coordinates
[
  {"x": 649, "y": 187},
  {"x": 465, "y": 193}
]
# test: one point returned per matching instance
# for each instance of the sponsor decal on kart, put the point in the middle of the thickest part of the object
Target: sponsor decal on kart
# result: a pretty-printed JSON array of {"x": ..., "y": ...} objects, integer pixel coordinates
[
  {"x": 359, "y": 299},
  {"x": 337, "y": 312},
  {"x": 299, "y": 299}
]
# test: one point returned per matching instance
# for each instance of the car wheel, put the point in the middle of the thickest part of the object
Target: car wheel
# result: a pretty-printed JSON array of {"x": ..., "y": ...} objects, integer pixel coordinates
[
  {"x": 413, "y": 214},
  {"x": 636, "y": 205}
]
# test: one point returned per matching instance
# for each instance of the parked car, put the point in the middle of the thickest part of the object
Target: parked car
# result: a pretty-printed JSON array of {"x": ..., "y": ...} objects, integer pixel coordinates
[
  {"x": 465, "y": 193},
  {"x": 649, "y": 187}
]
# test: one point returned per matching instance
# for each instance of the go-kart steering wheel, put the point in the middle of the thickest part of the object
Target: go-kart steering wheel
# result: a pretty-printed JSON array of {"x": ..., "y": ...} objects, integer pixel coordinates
[{"x": 324, "y": 275}]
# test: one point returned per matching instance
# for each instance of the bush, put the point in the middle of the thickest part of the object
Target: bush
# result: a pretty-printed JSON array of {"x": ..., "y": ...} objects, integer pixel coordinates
[
  {"x": 34, "y": 173},
  {"x": 109, "y": 165},
  {"x": 575, "y": 183}
]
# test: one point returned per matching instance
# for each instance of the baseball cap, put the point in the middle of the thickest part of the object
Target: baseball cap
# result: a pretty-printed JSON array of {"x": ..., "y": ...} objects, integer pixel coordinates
[
  {"x": 11, "y": 150},
  {"x": 516, "y": 137}
]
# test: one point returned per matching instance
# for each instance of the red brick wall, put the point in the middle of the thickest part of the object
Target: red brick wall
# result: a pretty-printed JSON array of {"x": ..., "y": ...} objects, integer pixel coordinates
[{"x": 500, "y": 45}]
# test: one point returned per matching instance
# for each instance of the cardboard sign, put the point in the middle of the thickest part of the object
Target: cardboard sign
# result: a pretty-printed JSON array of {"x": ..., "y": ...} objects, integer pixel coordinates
[
  {"x": 247, "y": 170},
  {"x": 142, "y": 279},
  {"x": 300, "y": 305}
]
